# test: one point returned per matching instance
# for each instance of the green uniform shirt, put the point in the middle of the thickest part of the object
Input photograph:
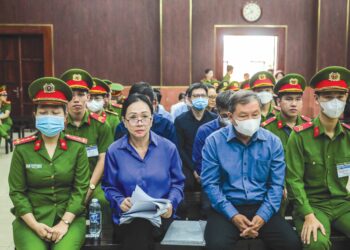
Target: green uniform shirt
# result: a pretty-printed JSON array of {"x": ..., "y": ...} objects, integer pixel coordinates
[
  {"x": 312, "y": 159},
  {"x": 116, "y": 108},
  {"x": 97, "y": 133},
  {"x": 227, "y": 78},
  {"x": 278, "y": 126},
  {"x": 272, "y": 112},
  {"x": 48, "y": 187},
  {"x": 112, "y": 119},
  {"x": 4, "y": 107}
]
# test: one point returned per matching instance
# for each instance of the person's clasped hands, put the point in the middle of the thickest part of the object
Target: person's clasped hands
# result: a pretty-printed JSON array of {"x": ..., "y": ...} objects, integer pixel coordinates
[{"x": 248, "y": 229}]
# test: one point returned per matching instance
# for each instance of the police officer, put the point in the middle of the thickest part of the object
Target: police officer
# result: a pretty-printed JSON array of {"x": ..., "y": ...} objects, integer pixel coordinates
[
  {"x": 90, "y": 126},
  {"x": 117, "y": 98},
  {"x": 49, "y": 176},
  {"x": 5, "y": 110},
  {"x": 245, "y": 85},
  {"x": 262, "y": 83},
  {"x": 318, "y": 160},
  {"x": 99, "y": 101},
  {"x": 289, "y": 90}
]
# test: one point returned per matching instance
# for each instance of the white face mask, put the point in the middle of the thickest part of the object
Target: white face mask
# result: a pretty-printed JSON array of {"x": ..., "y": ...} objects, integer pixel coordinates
[
  {"x": 333, "y": 109},
  {"x": 265, "y": 97},
  {"x": 225, "y": 121},
  {"x": 95, "y": 106},
  {"x": 248, "y": 127}
]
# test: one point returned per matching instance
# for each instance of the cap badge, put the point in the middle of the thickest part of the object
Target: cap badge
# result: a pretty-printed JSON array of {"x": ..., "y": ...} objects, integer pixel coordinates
[
  {"x": 262, "y": 77},
  {"x": 93, "y": 84},
  {"x": 334, "y": 76},
  {"x": 77, "y": 77},
  {"x": 293, "y": 81},
  {"x": 49, "y": 88}
]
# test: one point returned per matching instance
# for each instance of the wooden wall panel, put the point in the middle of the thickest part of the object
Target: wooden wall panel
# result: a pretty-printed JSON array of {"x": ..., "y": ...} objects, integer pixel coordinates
[
  {"x": 115, "y": 39},
  {"x": 176, "y": 42},
  {"x": 332, "y": 42},
  {"x": 299, "y": 15}
]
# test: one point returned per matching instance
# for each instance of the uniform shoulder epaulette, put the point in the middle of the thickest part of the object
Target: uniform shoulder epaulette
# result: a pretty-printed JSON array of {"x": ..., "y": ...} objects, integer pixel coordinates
[
  {"x": 303, "y": 126},
  {"x": 24, "y": 140},
  {"x": 305, "y": 118},
  {"x": 111, "y": 112},
  {"x": 268, "y": 121},
  {"x": 76, "y": 138},
  {"x": 347, "y": 126},
  {"x": 117, "y": 105},
  {"x": 98, "y": 117}
]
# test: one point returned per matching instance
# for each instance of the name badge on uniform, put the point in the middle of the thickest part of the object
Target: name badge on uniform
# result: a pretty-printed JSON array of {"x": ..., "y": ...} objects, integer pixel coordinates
[
  {"x": 92, "y": 151},
  {"x": 34, "y": 166},
  {"x": 343, "y": 169}
]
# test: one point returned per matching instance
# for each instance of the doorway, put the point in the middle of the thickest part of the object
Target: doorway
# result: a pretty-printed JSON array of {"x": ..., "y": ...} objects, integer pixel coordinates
[
  {"x": 249, "y": 54},
  {"x": 249, "y": 49},
  {"x": 25, "y": 55}
]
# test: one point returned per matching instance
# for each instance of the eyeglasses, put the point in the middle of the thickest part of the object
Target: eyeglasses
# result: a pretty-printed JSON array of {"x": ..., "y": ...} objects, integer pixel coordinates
[
  {"x": 3, "y": 95},
  {"x": 198, "y": 96},
  {"x": 145, "y": 120}
]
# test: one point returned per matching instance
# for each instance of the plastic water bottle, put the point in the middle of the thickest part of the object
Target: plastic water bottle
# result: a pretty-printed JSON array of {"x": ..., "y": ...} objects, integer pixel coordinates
[{"x": 95, "y": 217}]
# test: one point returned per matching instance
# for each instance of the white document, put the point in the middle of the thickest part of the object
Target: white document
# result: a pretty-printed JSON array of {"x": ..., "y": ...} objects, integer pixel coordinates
[{"x": 146, "y": 207}]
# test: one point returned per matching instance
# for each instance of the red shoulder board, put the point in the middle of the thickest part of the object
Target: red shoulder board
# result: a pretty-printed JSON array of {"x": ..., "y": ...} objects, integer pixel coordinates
[
  {"x": 76, "y": 138},
  {"x": 98, "y": 117},
  {"x": 117, "y": 105},
  {"x": 305, "y": 118},
  {"x": 24, "y": 140},
  {"x": 303, "y": 126},
  {"x": 268, "y": 121},
  {"x": 347, "y": 126}
]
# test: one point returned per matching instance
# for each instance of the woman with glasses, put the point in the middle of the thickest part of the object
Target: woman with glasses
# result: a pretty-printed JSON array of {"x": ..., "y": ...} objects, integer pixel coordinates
[
  {"x": 5, "y": 110},
  {"x": 145, "y": 159}
]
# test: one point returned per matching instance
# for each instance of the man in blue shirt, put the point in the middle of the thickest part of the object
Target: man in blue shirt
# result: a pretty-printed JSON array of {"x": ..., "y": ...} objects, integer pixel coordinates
[
  {"x": 243, "y": 172},
  {"x": 161, "y": 126}
]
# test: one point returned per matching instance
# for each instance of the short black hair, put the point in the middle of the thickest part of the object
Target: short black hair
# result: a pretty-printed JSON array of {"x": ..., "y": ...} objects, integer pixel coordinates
[
  {"x": 206, "y": 71},
  {"x": 158, "y": 94},
  {"x": 197, "y": 85},
  {"x": 181, "y": 96},
  {"x": 209, "y": 86},
  {"x": 143, "y": 88},
  {"x": 223, "y": 100},
  {"x": 136, "y": 98}
]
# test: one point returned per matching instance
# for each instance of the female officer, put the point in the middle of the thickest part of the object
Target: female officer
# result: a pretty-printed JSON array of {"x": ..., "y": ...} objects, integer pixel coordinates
[
  {"x": 49, "y": 176},
  {"x": 145, "y": 159},
  {"x": 5, "y": 110}
]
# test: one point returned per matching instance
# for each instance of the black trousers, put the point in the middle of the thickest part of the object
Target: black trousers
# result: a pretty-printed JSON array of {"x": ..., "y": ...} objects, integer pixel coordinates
[
  {"x": 140, "y": 234},
  {"x": 222, "y": 234}
]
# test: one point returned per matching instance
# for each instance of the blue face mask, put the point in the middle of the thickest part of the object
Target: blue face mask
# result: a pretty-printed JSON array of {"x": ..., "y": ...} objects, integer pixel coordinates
[
  {"x": 49, "y": 125},
  {"x": 200, "y": 103}
]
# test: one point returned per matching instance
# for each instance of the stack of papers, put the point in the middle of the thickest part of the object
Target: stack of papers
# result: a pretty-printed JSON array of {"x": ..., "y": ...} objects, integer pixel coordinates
[
  {"x": 185, "y": 233},
  {"x": 146, "y": 207}
]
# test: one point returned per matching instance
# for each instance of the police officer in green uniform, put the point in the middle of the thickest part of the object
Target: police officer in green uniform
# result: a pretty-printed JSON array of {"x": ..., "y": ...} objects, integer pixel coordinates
[
  {"x": 49, "y": 176},
  {"x": 5, "y": 110},
  {"x": 234, "y": 86},
  {"x": 222, "y": 86},
  {"x": 245, "y": 85},
  {"x": 229, "y": 72},
  {"x": 90, "y": 126},
  {"x": 99, "y": 100},
  {"x": 117, "y": 99},
  {"x": 289, "y": 90},
  {"x": 262, "y": 83},
  {"x": 318, "y": 160}
]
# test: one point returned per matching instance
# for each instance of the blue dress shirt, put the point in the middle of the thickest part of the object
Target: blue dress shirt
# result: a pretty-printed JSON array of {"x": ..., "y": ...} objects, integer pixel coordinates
[
  {"x": 161, "y": 111},
  {"x": 237, "y": 174},
  {"x": 203, "y": 132},
  {"x": 159, "y": 174},
  {"x": 161, "y": 126}
]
